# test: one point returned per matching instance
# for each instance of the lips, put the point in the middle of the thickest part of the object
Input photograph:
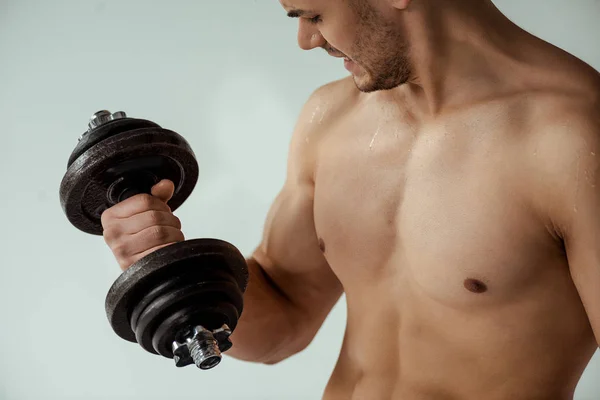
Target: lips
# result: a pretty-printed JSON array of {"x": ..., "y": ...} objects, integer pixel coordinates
[
  {"x": 351, "y": 66},
  {"x": 348, "y": 63},
  {"x": 333, "y": 52},
  {"x": 345, "y": 57}
]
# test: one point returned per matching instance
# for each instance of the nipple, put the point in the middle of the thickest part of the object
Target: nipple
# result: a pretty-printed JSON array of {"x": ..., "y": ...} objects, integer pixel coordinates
[
  {"x": 475, "y": 286},
  {"x": 322, "y": 245}
]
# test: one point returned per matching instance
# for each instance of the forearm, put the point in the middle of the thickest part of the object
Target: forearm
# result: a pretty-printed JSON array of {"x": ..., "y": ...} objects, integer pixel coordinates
[{"x": 269, "y": 329}]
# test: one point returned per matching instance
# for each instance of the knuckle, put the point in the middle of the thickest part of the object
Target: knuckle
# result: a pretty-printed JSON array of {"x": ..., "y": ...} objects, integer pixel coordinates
[
  {"x": 176, "y": 222},
  {"x": 145, "y": 201},
  {"x": 159, "y": 233},
  {"x": 106, "y": 217},
  {"x": 155, "y": 217},
  {"x": 126, "y": 263},
  {"x": 120, "y": 250},
  {"x": 111, "y": 234}
]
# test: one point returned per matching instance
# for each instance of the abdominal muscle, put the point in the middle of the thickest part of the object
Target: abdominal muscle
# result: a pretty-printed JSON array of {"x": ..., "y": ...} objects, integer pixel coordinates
[{"x": 401, "y": 343}]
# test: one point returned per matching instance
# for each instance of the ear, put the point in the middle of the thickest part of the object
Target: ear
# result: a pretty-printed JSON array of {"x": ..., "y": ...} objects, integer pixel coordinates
[{"x": 400, "y": 4}]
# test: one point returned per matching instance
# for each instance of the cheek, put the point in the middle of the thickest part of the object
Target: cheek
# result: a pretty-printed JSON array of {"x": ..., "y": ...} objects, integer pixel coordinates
[
  {"x": 341, "y": 32},
  {"x": 340, "y": 40}
]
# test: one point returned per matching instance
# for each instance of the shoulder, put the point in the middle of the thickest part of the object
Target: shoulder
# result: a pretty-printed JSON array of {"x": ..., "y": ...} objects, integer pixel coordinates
[
  {"x": 561, "y": 149},
  {"x": 326, "y": 105},
  {"x": 563, "y": 124},
  {"x": 330, "y": 99},
  {"x": 561, "y": 113},
  {"x": 344, "y": 86}
]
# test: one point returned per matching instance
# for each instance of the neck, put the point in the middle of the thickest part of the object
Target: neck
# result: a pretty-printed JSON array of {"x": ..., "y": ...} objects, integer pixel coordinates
[{"x": 460, "y": 52}]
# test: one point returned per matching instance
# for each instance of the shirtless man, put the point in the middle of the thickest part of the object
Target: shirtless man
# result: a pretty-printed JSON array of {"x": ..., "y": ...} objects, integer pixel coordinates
[{"x": 449, "y": 188}]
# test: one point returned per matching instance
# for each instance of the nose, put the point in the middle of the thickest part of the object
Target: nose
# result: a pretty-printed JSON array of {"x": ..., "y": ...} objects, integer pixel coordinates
[{"x": 309, "y": 36}]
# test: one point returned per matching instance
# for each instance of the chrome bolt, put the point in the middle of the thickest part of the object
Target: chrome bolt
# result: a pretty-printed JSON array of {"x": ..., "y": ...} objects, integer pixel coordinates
[
  {"x": 102, "y": 117},
  {"x": 204, "y": 350},
  {"x": 99, "y": 118},
  {"x": 200, "y": 347},
  {"x": 118, "y": 115}
]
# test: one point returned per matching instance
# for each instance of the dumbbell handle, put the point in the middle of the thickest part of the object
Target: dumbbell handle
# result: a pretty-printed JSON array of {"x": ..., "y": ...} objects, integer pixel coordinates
[
  {"x": 126, "y": 187},
  {"x": 130, "y": 193}
]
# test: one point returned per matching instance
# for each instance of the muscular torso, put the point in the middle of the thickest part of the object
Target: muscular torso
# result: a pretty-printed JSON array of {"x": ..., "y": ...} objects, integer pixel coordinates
[{"x": 456, "y": 285}]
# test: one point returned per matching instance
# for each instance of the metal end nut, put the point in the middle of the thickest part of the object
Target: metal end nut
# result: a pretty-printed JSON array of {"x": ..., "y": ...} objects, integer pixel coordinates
[
  {"x": 99, "y": 118},
  {"x": 201, "y": 346},
  {"x": 205, "y": 353},
  {"x": 118, "y": 115},
  {"x": 102, "y": 117}
]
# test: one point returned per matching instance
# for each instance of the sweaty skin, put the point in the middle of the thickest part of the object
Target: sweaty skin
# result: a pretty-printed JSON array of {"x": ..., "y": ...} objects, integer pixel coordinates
[
  {"x": 451, "y": 192},
  {"x": 457, "y": 281}
]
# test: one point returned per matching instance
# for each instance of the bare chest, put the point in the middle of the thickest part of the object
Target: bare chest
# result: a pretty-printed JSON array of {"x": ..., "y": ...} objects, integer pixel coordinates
[{"x": 441, "y": 206}]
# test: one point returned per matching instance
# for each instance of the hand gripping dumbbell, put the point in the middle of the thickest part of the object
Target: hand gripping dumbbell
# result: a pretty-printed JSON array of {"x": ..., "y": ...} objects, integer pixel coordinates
[{"x": 182, "y": 301}]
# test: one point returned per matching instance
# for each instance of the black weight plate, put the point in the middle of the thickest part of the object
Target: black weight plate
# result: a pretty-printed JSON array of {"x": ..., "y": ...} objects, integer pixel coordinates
[
  {"x": 184, "y": 283},
  {"x": 200, "y": 296},
  {"x": 156, "y": 335},
  {"x": 164, "y": 263},
  {"x": 83, "y": 190},
  {"x": 106, "y": 130}
]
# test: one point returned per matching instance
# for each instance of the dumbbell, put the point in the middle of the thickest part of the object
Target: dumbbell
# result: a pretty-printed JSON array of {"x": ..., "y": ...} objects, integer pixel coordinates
[{"x": 184, "y": 300}]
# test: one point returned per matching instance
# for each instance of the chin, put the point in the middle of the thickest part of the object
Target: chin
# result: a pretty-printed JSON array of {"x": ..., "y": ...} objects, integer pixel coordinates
[
  {"x": 367, "y": 84},
  {"x": 364, "y": 83}
]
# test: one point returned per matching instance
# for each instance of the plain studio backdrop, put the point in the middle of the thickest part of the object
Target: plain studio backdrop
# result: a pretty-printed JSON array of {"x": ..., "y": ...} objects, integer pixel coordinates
[{"x": 227, "y": 75}]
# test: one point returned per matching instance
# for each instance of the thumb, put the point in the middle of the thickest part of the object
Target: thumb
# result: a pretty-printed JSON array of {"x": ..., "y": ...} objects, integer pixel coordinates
[{"x": 163, "y": 190}]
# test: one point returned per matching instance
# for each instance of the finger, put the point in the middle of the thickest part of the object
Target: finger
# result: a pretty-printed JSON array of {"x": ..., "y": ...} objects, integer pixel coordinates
[
  {"x": 163, "y": 190},
  {"x": 152, "y": 250},
  {"x": 134, "y": 205},
  {"x": 147, "y": 219},
  {"x": 125, "y": 264},
  {"x": 152, "y": 237}
]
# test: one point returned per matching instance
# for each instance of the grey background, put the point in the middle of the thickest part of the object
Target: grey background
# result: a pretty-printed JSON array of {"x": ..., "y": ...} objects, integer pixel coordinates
[{"x": 229, "y": 76}]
